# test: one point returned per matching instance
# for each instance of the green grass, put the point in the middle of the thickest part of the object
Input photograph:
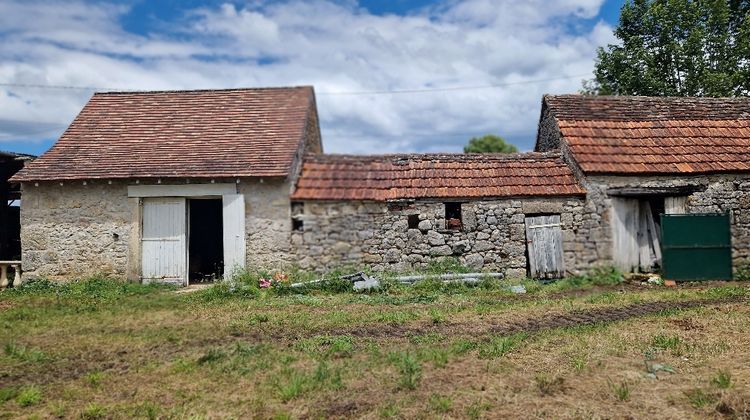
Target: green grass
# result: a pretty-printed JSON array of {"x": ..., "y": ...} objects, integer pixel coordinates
[
  {"x": 441, "y": 403},
  {"x": 722, "y": 380},
  {"x": 699, "y": 398},
  {"x": 76, "y": 350},
  {"x": 23, "y": 353},
  {"x": 500, "y": 346},
  {"x": 28, "y": 396},
  {"x": 409, "y": 369},
  {"x": 620, "y": 390}
]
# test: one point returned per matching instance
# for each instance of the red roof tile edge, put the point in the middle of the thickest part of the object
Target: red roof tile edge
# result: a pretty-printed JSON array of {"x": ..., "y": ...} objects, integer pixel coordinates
[
  {"x": 377, "y": 183},
  {"x": 577, "y": 115}
]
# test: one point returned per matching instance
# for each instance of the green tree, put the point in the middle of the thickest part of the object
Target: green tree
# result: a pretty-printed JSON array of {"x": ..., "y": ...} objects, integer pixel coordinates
[
  {"x": 677, "y": 48},
  {"x": 489, "y": 144}
]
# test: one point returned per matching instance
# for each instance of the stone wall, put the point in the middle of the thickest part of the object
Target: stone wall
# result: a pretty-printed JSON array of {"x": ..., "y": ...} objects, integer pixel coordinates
[
  {"x": 268, "y": 222},
  {"x": 493, "y": 236},
  {"x": 548, "y": 136},
  {"x": 712, "y": 194},
  {"x": 75, "y": 230}
]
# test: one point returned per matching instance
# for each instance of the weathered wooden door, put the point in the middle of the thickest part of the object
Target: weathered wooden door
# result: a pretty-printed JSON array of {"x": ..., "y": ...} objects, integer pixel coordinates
[
  {"x": 625, "y": 222},
  {"x": 635, "y": 235},
  {"x": 234, "y": 233},
  {"x": 544, "y": 245},
  {"x": 163, "y": 240}
]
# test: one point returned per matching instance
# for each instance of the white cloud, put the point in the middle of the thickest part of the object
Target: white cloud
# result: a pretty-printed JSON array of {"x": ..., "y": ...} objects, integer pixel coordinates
[{"x": 337, "y": 47}]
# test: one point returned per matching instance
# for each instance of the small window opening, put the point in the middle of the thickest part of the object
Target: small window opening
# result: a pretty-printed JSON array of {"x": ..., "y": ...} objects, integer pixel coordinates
[
  {"x": 453, "y": 219},
  {"x": 413, "y": 221},
  {"x": 298, "y": 209}
]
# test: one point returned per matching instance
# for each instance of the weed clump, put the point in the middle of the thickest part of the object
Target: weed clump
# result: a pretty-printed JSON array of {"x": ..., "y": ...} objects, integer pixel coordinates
[
  {"x": 29, "y": 395},
  {"x": 24, "y": 354},
  {"x": 722, "y": 380},
  {"x": 499, "y": 346},
  {"x": 409, "y": 369},
  {"x": 440, "y": 403},
  {"x": 699, "y": 398},
  {"x": 620, "y": 390}
]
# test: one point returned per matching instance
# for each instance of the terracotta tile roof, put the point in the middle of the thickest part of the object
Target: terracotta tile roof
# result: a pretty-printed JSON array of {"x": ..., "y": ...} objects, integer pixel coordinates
[
  {"x": 645, "y": 135},
  {"x": 196, "y": 134},
  {"x": 393, "y": 177}
]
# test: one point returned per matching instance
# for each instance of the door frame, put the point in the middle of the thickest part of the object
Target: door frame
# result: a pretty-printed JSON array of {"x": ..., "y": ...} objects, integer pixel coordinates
[{"x": 224, "y": 191}]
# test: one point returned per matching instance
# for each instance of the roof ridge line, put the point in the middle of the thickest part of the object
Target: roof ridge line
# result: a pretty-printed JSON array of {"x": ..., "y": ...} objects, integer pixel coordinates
[{"x": 130, "y": 92}]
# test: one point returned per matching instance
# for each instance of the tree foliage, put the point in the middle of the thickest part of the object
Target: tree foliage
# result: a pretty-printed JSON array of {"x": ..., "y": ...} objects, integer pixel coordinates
[
  {"x": 677, "y": 48},
  {"x": 489, "y": 144}
]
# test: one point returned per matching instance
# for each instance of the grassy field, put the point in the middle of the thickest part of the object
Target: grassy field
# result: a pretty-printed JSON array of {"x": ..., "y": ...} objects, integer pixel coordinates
[{"x": 582, "y": 348}]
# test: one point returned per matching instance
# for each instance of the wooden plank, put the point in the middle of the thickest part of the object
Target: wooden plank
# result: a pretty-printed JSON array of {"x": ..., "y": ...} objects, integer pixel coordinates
[
  {"x": 654, "y": 234},
  {"x": 645, "y": 259},
  {"x": 675, "y": 205}
]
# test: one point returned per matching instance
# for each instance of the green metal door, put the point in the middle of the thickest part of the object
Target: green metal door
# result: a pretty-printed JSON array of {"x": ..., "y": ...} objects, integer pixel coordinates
[{"x": 696, "y": 247}]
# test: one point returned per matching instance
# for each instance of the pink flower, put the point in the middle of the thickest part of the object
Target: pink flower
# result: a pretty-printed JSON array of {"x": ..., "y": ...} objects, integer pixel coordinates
[{"x": 264, "y": 283}]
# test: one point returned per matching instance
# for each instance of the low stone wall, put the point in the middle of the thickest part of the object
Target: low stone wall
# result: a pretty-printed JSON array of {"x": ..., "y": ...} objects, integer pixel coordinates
[
  {"x": 75, "y": 230},
  {"x": 493, "y": 236}
]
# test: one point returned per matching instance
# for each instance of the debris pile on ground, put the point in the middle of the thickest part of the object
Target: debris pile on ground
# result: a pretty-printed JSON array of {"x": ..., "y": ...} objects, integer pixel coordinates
[{"x": 362, "y": 281}]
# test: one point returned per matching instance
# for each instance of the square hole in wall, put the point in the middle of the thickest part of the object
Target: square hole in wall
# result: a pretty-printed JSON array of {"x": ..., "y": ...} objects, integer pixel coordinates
[
  {"x": 453, "y": 219},
  {"x": 413, "y": 220}
]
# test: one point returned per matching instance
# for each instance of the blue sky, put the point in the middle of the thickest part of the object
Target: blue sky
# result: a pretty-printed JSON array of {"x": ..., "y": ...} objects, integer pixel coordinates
[{"x": 506, "y": 53}]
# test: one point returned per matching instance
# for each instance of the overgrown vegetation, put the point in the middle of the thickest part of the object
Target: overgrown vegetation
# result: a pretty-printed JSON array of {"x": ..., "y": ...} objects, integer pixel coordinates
[{"x": 76, "y": 350}]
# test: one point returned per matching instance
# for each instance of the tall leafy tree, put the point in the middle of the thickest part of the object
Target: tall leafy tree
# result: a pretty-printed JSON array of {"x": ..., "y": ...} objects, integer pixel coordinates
[
  {"x": 677, "y": 48},
  {"x": 489, "y": 144}
]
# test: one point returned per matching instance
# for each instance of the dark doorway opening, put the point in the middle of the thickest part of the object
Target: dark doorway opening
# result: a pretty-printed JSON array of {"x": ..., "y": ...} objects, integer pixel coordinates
[{"x": 205, "y": 241}]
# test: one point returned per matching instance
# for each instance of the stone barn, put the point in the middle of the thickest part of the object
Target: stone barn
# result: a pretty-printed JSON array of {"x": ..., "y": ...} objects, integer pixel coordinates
[
  {"x": 177, "y": 187},
  {"x": 513, "y": 214},
  {"x": 187, "y": 186},
  {"x": 645, "y": 160}
]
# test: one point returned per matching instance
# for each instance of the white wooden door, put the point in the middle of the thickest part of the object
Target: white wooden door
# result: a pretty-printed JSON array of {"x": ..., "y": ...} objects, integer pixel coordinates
[
  {"x": 234, "y": 233},
  {"x": 163, "y": 240},
  {"x": 625, "y": 223},
  {"x": 544, "y": 245}
]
